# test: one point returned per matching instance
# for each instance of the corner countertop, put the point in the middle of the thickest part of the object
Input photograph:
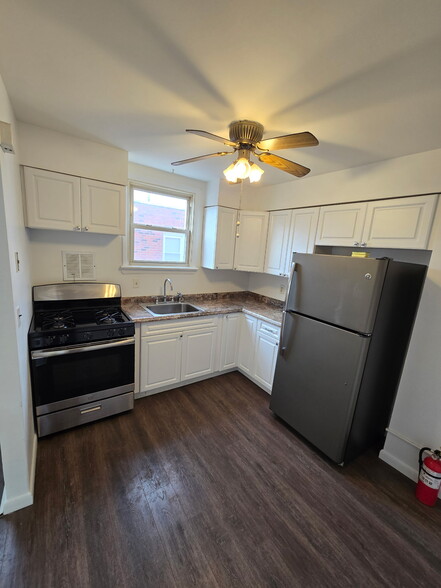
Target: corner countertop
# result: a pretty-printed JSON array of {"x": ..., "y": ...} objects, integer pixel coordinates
[{"x": 250, "y": 303}]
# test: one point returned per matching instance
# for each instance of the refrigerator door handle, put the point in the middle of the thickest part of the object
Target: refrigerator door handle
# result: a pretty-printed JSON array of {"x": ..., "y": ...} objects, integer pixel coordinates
[
  {"x": 282, "y": 347},
  {"x": 290, "y": 284}
]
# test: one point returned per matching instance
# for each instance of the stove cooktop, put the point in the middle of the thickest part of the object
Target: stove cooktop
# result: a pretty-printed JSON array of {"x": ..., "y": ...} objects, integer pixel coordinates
[{"x": 63, "y": 317}]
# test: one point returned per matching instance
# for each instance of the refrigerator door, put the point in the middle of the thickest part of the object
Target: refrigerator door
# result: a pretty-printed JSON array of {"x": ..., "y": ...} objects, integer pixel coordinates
[
  {"x": 343, "y": 291},
  {"x": 317, "y": 380}
]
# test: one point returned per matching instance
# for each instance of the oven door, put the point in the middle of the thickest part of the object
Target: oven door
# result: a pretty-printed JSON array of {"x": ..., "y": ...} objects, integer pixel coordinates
[{"x": 66, "y": 377}]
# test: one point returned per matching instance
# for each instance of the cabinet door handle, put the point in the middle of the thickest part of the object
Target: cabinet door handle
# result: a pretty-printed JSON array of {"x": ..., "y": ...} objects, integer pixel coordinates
[
  {"x": 77, "y": 228},
  {"x": 356, "y": 244},
  {"x": 363, "y": 244},
  {"x": 85, "y": 228}
]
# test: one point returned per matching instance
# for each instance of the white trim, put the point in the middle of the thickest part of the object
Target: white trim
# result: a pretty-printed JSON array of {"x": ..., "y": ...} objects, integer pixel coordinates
[
  {"x": 399, "y": 465},
  {"x": 26, "y": 499},
  {"x": 128, "y": 239},
  {"x": 18, "y": 502},
  {"x": 403, "y": 437},
  {"x": 130, "y": 268}
]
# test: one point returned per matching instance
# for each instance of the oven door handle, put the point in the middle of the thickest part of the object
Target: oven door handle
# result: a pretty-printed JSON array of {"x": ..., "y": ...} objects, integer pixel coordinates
[{"x": 81, "y": 348}]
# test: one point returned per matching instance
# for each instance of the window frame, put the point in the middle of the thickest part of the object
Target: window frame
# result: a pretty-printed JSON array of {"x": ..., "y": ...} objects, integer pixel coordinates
[{"x": 188, "y": 231}]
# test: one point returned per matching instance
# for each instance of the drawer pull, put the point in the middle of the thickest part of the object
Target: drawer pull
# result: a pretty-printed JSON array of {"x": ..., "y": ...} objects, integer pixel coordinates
[{"x": 93, "y": 409}]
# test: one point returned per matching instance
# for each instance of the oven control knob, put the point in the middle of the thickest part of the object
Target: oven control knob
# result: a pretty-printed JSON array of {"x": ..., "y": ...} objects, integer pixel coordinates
[
  {"x": 63, "y": 339},
  {"x": 87, "y": 336}
]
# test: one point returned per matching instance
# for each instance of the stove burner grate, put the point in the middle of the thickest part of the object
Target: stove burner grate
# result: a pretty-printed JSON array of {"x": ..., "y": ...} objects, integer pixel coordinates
[
  {"x": 57, "y": 320},
  {"x": 108, "y": 317}
]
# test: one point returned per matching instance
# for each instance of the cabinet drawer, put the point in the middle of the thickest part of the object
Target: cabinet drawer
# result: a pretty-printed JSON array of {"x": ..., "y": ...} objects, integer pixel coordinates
[
  {"x": 181, "y": 325},
  {"x": 268, "y": 329}
]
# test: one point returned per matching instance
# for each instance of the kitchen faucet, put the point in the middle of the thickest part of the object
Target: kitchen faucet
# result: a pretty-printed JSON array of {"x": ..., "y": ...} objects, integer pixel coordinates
[{"x": 165, "y": 288}]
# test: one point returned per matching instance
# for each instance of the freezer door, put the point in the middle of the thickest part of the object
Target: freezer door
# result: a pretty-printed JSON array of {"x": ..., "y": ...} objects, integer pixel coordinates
[
  {"x": 343, "y": 291},
  {"x": 317, "y": 380}
]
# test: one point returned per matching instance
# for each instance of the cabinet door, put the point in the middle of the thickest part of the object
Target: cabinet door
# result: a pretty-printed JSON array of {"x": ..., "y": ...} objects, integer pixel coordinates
[
  {"x": 52, "y": 200},
  {"x": 198, "y": 353},
  {"x": 251, "y": 243},
  {"x": 160, "y": 361},
  {"x": 230, "y": 341},
  {"x": 341, "y": 224},
  {"x": 402, "y": 223},
  {"x": 102, "y": 207},
  {"x": 265, "y": 360},
  {"x": 277, "y": 243},
  {"x": 247, "y": 340},
  {"x": 302, "y": 233},
  {"x": 219, "y": 237}
]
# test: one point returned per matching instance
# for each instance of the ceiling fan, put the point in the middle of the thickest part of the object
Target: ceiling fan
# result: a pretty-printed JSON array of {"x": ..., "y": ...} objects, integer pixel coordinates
[{"x": 246, "y": 139}]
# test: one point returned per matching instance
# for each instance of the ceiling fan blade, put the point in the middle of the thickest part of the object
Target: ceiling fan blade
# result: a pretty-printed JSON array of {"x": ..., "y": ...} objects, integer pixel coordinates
[
  {"x": 288, "y": 141},
  {"x": 191, "y": 159},
  {"x": 284, "y": 164},
  {"x": 211, "y": 136}
]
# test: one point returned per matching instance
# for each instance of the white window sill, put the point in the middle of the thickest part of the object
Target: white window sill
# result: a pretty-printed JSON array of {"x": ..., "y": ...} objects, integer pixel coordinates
[{"x": 126, "y": 269}]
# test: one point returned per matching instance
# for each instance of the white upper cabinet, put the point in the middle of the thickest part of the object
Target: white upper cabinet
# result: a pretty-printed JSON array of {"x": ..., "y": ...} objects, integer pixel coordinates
[
  {"x": 401, "y": 223},
  {"x": 341, "y": 224},
  {"x": 277, "y": 244},
  {"x": 52, "y": 200},
  {"x": 102, "y": 207},
  {"x": 219, "y": 237},
  {"x": 302, "y": 233},
  {"x": 252, "y": 229},
  {"x": 69, "y": 203}
]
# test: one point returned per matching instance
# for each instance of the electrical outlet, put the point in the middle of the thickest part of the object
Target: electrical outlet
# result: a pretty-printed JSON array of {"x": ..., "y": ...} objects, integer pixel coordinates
[
  {"x": 282, "y": 288},
  {"x": 135, "y": 283},
  {"x": 17, "y": 262}
]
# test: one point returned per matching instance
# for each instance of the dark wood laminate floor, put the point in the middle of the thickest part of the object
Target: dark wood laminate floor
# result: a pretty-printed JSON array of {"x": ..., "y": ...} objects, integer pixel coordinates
[{"x": 202, "y": 486}]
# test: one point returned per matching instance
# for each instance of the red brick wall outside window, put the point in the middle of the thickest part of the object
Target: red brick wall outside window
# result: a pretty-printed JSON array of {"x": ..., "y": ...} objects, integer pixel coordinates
[{"x": 148, "y": 244}]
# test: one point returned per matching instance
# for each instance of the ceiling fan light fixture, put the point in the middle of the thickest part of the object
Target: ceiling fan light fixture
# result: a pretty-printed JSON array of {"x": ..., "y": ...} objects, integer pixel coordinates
[
  {"x": 230, "y": 173},
  {"x": 255, "y": 173},
  {"x": 242, "y": 168}
]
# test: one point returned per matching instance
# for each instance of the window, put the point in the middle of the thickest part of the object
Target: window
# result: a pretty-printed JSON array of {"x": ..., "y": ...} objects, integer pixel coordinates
[{"x": 160, "y": 226}]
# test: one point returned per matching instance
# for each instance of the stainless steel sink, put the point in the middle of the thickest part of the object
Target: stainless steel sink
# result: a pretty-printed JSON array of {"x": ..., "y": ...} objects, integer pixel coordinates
[{"x": 170, "y": 308}]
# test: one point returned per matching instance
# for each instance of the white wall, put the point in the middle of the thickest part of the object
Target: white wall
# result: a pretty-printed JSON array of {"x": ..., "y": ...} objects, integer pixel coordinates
[
  {"x": 403, "y": 176},
  {"x": 47, "y": 247},
  {"x": 17, "y": 437},
  {"x": 416, "y": 419},
  {"x": 47, "y": 149}
]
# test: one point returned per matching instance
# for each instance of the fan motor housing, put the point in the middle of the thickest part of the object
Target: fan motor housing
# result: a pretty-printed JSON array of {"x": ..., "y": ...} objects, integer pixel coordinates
[{"x": 246, "y": 132}]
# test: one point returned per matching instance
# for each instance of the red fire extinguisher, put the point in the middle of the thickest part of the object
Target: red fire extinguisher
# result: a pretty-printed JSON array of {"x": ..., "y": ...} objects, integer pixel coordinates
[{"x": 429, "y": 480}]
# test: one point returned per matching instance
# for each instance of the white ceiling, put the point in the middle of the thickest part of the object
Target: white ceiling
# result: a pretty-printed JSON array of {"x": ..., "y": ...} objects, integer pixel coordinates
[{"x": 363, "y": 75}]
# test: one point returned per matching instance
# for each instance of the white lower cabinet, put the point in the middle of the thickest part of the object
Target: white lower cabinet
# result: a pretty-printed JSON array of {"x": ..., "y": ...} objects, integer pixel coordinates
[
  {"x": 160, "y": 361},
  {"x": 198, "y": 353},
  {"x": 247, "y": 339},
  {"x": 174, "y": 351},
  {"x": 265, "y": 356},
  {"x": 258, "y": 347},
  {"x": 230, "y": 340},
  {"x": 186, "y": 350}
]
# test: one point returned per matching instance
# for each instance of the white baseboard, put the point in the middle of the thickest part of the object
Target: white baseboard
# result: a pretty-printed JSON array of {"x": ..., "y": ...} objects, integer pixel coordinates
[
  {"x": 399, "y": 465},
  {"x": 33, "y": 464},
  {"x": 18, "y": 502},
  {"x": 26, "y": 499}
]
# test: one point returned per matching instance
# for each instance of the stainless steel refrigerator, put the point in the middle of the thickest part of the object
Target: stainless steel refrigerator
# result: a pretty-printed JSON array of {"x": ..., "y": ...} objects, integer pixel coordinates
[{"x": 346, "y": 328}]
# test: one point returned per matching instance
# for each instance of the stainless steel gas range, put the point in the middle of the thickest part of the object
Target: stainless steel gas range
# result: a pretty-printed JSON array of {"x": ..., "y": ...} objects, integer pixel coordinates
[{"x": 82, "y": 354}]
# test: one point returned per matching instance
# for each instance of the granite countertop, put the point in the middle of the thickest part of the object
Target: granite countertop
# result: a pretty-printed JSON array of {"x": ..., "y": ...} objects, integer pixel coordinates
[{"x": 262, "y": 307}]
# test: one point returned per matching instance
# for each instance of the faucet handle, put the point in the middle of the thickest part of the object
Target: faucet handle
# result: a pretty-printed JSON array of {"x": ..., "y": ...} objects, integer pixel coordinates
[{"x": 179, "y": 296}]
